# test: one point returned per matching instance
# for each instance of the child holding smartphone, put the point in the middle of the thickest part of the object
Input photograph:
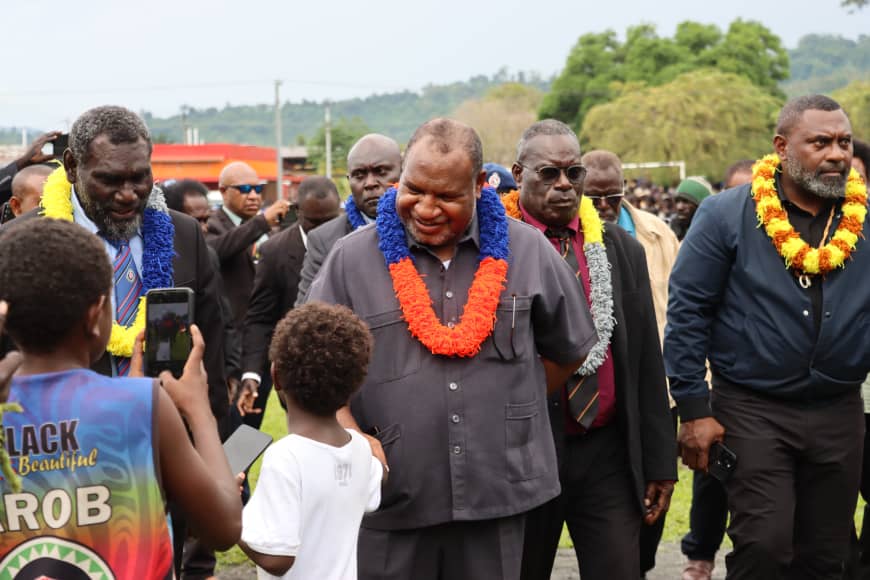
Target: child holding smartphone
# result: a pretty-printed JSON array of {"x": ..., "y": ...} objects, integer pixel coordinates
[
  {"x": 95, "y": 458},
  {"x": 316, "y": 483}
]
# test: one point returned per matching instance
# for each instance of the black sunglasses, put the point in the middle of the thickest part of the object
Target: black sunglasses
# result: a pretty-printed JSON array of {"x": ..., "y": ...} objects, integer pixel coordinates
[
  {"x": 550, "y": 173},
  {"x": 246, "y": 188}
]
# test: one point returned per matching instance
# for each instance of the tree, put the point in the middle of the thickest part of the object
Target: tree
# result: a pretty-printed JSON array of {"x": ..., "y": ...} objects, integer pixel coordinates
[
  {"x": 345, "y": 132},
  {"x": 855, "y": 100},
  {"x": 593, "y": 64},
  {"x": 853, "y": 4},
  {"x": 707, "y": 118},
  {"x": 500, "y": 117},
  {"x": 600, "y": 67}
]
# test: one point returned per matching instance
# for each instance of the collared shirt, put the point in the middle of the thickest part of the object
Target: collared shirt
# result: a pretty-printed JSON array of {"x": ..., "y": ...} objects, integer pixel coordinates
[
  {"x": 81, "y": 218},
  {"x": 606, "y": 377},
  {"x": 811, "y": 228},
  {"x": 626, "y": 222},
  {"x": 237, "y": 221},
  {"x": 466, "y": 438},
  {"x": 732, "y": 300}
]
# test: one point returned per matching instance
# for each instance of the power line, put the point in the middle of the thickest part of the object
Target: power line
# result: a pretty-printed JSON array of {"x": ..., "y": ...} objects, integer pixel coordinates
[{"x": 204, "y": 85}]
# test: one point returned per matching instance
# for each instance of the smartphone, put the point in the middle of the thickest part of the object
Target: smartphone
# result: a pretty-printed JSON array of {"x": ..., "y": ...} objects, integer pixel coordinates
[
  {"x": 168, "y": 316},
  {"x": 244, "y": 446},
  {"x": 57, "y": 147},
  {"x": 290, "y": 218},
  {"x": 722, "y": 461}
]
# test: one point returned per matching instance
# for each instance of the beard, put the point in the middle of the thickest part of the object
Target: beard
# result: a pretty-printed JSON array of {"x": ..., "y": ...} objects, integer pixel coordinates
[
  {"x": 99, "y": 213},
  {"x": 812, "y": 181}
]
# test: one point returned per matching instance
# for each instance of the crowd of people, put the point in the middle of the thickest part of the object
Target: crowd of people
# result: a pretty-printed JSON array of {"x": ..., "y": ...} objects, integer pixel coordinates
[{"x": 470, "y": 358}]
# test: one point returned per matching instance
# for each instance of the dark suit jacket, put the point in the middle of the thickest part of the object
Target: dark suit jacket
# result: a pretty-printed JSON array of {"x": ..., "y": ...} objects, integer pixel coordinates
[
  {"x": 320, "y": 242},
  {"x": 275, "y": 288},
  {"x": 642, "y": 409},
  {"x": 233, "y": 246},
  {"x": 191, "y": 268}
]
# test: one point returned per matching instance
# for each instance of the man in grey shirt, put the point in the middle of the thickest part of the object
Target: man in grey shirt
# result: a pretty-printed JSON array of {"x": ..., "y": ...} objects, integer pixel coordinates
[{"x": 465, "y": 431}]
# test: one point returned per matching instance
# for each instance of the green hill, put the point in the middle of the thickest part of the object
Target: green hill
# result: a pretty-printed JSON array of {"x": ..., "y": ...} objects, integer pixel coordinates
[{"x": 394, "y": 114}]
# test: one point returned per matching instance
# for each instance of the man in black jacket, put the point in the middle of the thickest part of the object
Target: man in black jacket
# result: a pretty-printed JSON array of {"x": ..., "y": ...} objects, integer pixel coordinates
[
  {"x": 374, "y": 163},
  {"x": 236, "y": 230},
  {"x": 275, "y": 289},
  {"x": 617, "y": 456}
]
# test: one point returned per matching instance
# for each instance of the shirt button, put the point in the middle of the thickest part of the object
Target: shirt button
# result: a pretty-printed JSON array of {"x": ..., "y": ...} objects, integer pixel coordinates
[
  {"x": 827, "y": 314},
  {"x": 806, "y": 312},
  {"x": 453, "y": 386},
  {"x": 451, "y": 324},
  {"x": 457, "y": 450},
  {"x": 449, "y": 293},
  {"x": 455, "y": 418}
]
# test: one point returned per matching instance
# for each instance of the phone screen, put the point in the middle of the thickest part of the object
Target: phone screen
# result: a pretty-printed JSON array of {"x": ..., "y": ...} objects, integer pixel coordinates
[{"x": 167, "y": 337}]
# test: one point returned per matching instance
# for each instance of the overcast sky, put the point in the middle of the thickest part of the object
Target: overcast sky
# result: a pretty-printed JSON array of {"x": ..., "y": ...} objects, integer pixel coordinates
[{"x": 62, "y": 57}]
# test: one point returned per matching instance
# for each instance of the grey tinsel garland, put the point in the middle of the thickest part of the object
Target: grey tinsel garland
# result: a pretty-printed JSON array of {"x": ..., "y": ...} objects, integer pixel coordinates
[{"x": 601, "y": 298}]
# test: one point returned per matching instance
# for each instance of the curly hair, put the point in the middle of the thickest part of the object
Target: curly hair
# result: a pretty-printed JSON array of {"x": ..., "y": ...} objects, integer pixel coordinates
[
  {"x": 51, "y": 272},
  {"x": 321, "y": 354},
  {"x": 120, "y": 124}
]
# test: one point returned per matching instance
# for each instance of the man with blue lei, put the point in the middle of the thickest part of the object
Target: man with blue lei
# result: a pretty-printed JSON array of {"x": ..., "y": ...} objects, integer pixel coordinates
[
  {"x": 107, "y": 187},
  {"x": 474, "y": 316},
  {"x": 374, "y": 163}
]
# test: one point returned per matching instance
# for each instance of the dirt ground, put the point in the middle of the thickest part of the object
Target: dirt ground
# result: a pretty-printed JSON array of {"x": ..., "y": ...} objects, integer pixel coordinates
[{"x": 669, "y": 566}]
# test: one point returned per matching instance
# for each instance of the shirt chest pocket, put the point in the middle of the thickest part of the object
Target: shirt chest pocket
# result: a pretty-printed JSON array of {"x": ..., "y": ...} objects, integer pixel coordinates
[
  {"x": 512, "y": 335},
  {"x": 396, "y": 354}
]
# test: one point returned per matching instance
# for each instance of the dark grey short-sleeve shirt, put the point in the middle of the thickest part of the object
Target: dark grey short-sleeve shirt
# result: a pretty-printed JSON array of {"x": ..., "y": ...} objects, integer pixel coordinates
[{"x": 466, "y": 438}]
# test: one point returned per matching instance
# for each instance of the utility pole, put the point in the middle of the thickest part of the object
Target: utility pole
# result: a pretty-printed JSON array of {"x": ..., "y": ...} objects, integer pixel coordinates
[
  {"x": 328, "y": 134},
  {"x": 279, "y": 180}
]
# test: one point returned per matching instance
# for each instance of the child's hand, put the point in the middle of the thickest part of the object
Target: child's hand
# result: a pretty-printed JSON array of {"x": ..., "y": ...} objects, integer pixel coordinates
[
  {"x": 190, "y": 392},
  {"x": 137, "y": 366},
  {"x": 377, "y": 450},
  {"x": 240, "y": 480}
]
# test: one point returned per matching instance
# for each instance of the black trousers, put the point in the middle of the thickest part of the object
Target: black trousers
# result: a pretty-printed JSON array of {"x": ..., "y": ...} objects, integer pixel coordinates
[
  {"x": 650, "y": 536},
  {"x": 476, "y": 550},
  {"x": 599, "y": 504},
  {"x": 793, "y": 493},
  {"x": 707, "y": 518}
]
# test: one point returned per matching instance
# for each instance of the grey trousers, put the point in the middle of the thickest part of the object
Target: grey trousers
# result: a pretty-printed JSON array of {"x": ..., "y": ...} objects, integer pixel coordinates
[
  {"x": 792, "y": 496},
  {"x": 487, "y": 549}
]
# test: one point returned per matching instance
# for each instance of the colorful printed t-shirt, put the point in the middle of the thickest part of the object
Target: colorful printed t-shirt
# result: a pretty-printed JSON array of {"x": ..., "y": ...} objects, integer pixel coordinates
[{"x": 90, "y": 504}]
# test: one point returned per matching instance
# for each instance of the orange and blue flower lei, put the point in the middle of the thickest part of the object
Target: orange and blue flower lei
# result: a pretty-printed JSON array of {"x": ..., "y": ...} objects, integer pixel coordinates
[
  {"x": 478, "y": 317},
  {"x": 354, "y": 216}
]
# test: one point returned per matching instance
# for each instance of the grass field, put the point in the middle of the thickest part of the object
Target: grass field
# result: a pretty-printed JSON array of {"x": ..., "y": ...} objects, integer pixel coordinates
[{"x": 676, "y": 525}]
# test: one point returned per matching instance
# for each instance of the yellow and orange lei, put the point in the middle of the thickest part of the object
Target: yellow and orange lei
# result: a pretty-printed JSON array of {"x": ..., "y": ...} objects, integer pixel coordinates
[
  {"x": 590, "y": 222},
  {"x": 799, "y": 255}
]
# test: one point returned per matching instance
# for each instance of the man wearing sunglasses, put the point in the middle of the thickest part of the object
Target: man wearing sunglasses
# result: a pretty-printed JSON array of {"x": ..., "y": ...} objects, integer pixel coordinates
[
  {"x": 235, "y": 230},
  {"x": 605, "y": 186},
  {"x": 617, "y": 462}
]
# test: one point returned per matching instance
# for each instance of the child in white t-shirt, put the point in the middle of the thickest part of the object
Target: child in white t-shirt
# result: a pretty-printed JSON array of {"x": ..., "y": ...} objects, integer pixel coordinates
[{"x": 316, "y": 483}]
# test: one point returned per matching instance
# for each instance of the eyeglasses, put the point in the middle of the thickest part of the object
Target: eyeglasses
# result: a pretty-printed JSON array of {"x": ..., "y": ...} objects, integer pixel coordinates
[
  {"x": 609, "y": 198},
  {"x": 550, "y": 173},
  {"x": 246, "y": 188}
]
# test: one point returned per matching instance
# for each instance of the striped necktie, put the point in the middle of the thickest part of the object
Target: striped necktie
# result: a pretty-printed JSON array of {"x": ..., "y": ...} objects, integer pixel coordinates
[
  {"x": 128, "y": 287},
  {"x": 582, "y": 390}
]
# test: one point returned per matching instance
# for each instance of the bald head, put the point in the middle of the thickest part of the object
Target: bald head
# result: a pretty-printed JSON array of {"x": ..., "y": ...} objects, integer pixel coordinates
[
  {"x": 374, "y": 163},
  {"x": 27, "y": 188},
  {"x": 446, "y": 135},
  {"x": 601, "y": 160},
  {"x": 236, "y": 173},
  {"x": 375, "y": 144},
  {"x": 244, "y": 204},
  {"x": 604, "y": 183}
]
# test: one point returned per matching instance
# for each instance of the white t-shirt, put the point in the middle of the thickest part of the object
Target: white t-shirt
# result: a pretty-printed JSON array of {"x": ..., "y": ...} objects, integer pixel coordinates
[{"x": 309, "y": 502}]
